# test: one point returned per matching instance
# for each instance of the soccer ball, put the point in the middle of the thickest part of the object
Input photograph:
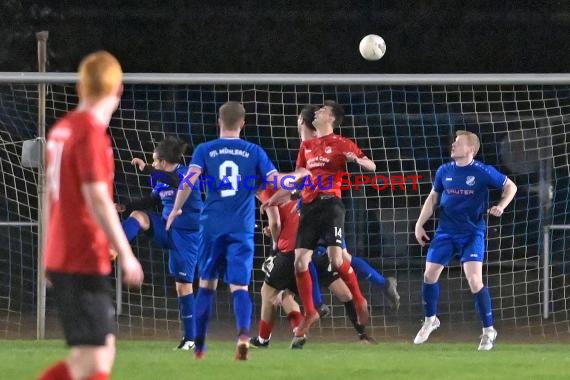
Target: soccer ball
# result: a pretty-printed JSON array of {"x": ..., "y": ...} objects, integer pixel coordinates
[{"x": 372, "y": 47}]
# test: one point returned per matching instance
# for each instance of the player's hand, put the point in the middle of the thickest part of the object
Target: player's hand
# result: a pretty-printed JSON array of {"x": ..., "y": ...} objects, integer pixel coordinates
[
  {"x": 132, "y": 271},
  {"x": 173, "y": 215},
  {"x": 138, "y": 163},
  {"x": 302, "y": 173},
  {"x": 112, "y": 254},
  {"x": 496, "y": 210},
  {"x": 350, "y": 157},
  {"x": 120, "y": 207},
  {"x": 267, "y": 231},
  {"x": 421, "y": 236}
]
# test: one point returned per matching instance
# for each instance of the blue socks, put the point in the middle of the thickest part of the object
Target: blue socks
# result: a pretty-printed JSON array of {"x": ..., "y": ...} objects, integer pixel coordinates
[
  {"x": 317, "y": 296},
  {"x": 366, "y": 271},
  {"x": 431, "y": 298},
  {"x": 484, "y": 306},
  {"x": 242, "y": 311},
  {"x": 202, "y": 312},
  {"x": 186, "y": 307},
  {"x": 131, "y": 227}
]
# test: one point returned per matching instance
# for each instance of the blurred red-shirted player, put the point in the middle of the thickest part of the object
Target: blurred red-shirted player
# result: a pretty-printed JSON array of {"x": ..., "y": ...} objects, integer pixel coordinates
[{"x": 83, "y": 223}]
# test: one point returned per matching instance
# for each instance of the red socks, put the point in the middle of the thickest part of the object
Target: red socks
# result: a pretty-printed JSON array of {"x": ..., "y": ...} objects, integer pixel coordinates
[
  {"x": 58, "y": 371},
  {"x": 294, "y": 319},
  {"x": 265, "y": 329},
  {"x": 305, "y": 288},
  {"x": 347, "y": 274}
]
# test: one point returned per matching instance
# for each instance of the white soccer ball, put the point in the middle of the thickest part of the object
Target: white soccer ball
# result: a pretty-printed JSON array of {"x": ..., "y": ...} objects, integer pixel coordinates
[{"x": 372, "y": 47}]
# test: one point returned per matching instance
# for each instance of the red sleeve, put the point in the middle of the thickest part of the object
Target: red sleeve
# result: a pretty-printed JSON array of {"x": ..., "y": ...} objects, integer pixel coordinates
[
  {"x": 91, "y": 155},
  {"x": 266, "y": 194},
  {"x": 350, "y": 146},
  {"x": 301, "y": 161}
]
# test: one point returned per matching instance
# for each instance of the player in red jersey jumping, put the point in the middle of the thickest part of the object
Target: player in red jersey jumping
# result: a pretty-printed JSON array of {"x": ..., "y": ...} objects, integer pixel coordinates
[{"x": 322, "y": 214}]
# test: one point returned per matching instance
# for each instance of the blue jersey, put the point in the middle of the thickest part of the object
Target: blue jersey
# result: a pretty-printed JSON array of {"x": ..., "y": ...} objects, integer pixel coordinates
[
  {"x": 464, "y": 195},
  {"x": 230, "y": 168},
  {"x": 165, "y": 190}
]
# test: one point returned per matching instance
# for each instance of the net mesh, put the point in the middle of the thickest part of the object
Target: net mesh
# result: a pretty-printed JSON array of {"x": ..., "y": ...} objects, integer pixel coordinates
[{"x": 406, "y": 130}]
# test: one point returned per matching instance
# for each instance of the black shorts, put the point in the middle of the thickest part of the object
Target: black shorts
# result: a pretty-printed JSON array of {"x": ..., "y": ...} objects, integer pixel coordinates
[
  {"x": 85, "y": 307},
  {"x": 322, "y": 219},
  {"x": 281, "y": 272}
]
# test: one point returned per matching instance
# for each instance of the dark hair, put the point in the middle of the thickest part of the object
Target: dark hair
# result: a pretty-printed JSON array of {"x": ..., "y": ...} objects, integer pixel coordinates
[
  {"x": 231, "y": 113},
  {"x": 308, "y": 115},
  {"x": 171, "y": 149},
  {"x": 337, "y": 111}
]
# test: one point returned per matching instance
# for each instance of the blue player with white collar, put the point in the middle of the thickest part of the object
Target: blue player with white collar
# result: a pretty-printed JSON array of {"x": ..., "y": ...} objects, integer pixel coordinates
[
  {"x": 461, "y": 189},
  {"x": 230, "y": 168}
]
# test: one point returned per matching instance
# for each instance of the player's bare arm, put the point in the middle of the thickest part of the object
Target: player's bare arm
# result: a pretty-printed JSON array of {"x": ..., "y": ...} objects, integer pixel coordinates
[
  {"x": 274, "y": 223},
  {"x": 364, "y": 162},
  {"x": 426, "y": 213},
  {"x": 104, "y": 213},
  {"x": 509, "y": 192},
  {"x": 184, "y": 191}
]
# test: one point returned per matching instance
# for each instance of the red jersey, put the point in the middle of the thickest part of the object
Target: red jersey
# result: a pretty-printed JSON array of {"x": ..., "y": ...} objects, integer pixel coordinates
[
  {"x": 325, "y": 158},
  {"x": 289, "y": 218},
  {"x": 78, "y": 152}
]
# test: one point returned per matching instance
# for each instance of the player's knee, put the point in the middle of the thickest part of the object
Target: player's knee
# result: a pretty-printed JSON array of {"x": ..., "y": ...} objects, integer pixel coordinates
[
  {"x": 475, "y": 284},
  {"x": 430, "y": 277},
  {"x": 142, "y": 218},
  {"x": 183, "y": 289}
]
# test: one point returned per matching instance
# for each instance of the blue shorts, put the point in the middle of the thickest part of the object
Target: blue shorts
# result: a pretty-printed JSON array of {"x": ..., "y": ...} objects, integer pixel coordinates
[
  {"x": 229, "y": 254},
  {"x": 183, "y": 247},
  {"x": 467, "y": 247}
]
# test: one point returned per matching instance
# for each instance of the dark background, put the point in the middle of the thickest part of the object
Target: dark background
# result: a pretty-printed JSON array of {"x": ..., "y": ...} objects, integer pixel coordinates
[{"x": 290, "y": 36}]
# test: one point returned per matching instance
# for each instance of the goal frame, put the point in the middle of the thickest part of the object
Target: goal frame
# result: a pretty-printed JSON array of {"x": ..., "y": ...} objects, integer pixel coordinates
[{"x": 43, "y": 79}]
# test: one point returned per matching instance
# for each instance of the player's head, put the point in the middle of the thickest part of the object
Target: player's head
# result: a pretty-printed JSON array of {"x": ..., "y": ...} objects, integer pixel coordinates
[
  {"x": 100, "y": 76},
  {"x": 232, "y": 116},
  {"x": 466, "y": 145},
  {"x": 168, "y": 152},
  {"x": 305, "y": 125},
  {"x": 331, "y": 113}
]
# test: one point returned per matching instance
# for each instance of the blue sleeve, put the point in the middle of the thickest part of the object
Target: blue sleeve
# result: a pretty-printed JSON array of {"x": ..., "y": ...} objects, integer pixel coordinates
[
  {"x": 264, "y": 164},
  {"x": 438, "y": 180},
  {"x": 199, "y": 157},
  {"x": 495, "y": 178}
]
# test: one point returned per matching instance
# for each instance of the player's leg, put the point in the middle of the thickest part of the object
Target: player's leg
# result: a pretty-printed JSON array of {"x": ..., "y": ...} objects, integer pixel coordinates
[
  {"x": 439, "y": 254},
  {"x": 137, "y": 221},
  {"x": 268, "y": 314},
  {"x": 472, "y": 260},
  {"x": 239, "y": 258},
  {"x": 307, "y": 238},
  {"x": 291, "y": 309},
  {"x": 365, "y": 271},
  {"x": 210, "y": 257},
  {"x": 333, "y": 234},
  {"x": 182, "y": 264}
]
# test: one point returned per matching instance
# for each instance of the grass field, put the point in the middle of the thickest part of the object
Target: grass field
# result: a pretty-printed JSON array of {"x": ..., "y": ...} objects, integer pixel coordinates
[{"x": 347, "y": 361}]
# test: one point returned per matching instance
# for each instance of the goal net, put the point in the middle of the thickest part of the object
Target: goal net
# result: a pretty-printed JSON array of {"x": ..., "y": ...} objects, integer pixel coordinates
[{"x": 406, "y": 129}]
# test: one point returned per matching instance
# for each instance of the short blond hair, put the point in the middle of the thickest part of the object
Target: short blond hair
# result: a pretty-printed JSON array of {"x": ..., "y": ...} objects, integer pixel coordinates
[
  {"x": 100, "y": 75},
  {"x": 473, "y": 140},
  {"x": 232, "y": 113}
]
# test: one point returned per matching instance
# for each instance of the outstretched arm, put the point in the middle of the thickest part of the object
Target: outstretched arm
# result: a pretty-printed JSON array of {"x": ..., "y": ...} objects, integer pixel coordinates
[
  {"x": 426, "y": 213},
  {"x": 364, "y": 162}
]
